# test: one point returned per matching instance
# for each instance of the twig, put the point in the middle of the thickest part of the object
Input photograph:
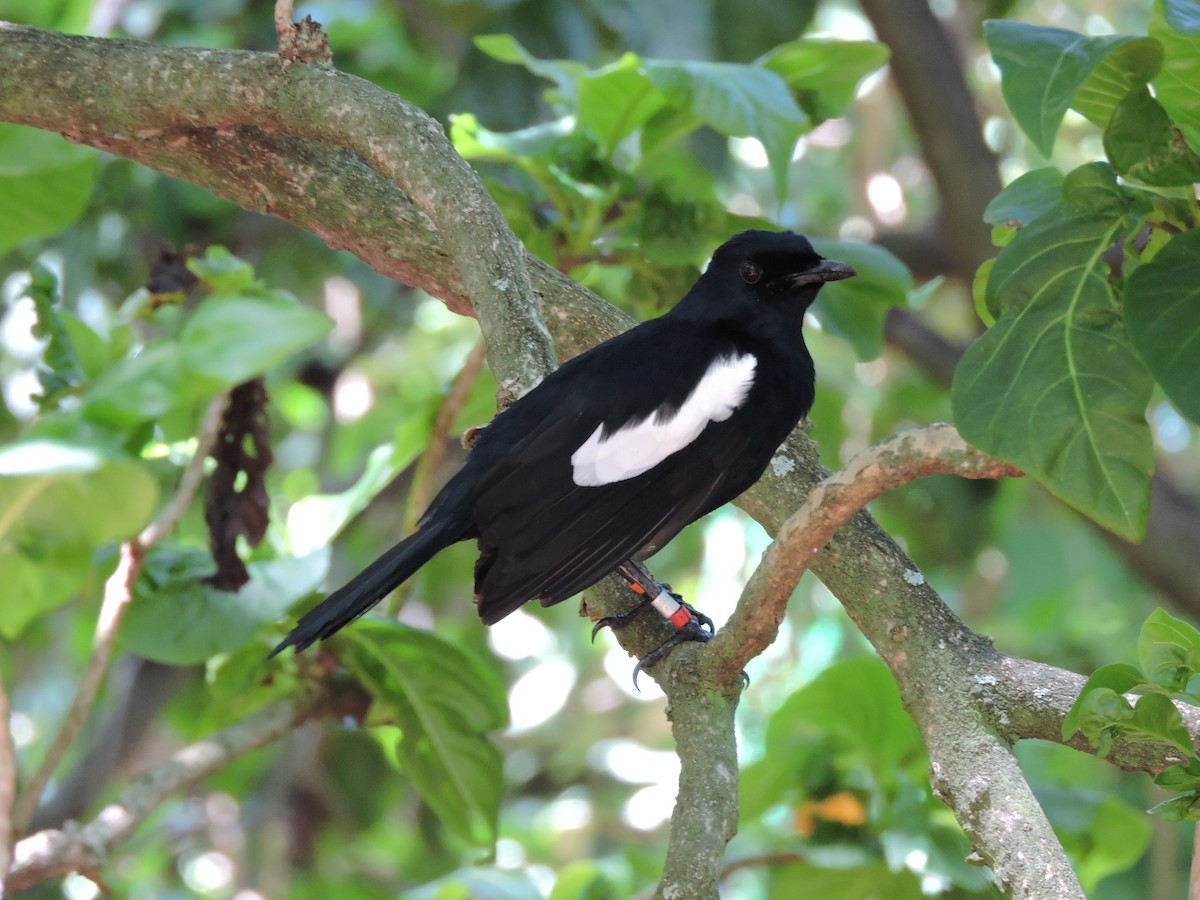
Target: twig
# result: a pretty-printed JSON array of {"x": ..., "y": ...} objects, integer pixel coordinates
[
  {"x": 435, "y": 451},
  {"x": 284, "y": 14},
  {"x": 118, "y": 590},
  {"x": 8, "y": 789},
  {"x": 936, "y": 449},
  {"x": 55, "y": 852}
]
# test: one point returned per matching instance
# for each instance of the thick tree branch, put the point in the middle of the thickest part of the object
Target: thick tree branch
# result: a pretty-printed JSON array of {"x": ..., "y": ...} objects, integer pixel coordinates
[{"x": 54, "y": 853}]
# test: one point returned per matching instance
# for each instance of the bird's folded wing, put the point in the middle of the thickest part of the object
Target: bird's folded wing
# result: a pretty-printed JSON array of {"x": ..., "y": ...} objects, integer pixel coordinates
[{"x": 545, "y": 536}]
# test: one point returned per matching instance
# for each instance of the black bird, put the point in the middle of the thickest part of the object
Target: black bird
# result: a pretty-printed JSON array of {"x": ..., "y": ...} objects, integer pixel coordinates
[{"x": 616, "y": 451}]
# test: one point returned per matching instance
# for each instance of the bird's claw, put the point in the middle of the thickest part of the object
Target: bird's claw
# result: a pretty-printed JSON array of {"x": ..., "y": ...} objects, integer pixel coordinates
[
  {"x": 618, "y": 621},
  {"x": 692, "y": 631}
]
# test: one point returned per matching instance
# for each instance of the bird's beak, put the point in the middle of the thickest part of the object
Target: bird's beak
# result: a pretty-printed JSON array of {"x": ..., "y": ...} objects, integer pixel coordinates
[{"x": 827, "y": 270}]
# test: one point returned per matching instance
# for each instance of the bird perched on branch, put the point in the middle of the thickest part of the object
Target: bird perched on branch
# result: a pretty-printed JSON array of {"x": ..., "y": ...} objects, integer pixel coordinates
[{"x": 615, "y": 452}]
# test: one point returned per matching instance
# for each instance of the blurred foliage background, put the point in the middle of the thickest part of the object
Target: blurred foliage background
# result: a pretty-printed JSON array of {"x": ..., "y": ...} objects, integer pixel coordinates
[{"x": 836, "y": 801}]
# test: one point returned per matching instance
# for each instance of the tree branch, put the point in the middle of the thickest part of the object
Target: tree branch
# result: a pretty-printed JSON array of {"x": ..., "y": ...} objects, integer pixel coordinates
[
  {"x": 754, "y": 625},
  {"x": 53, "y": 853},
  {"x": 118, "y": 590}
]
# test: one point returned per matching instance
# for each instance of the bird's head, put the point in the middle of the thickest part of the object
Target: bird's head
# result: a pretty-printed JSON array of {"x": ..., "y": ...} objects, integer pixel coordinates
[{"x": 778, "y": 268}]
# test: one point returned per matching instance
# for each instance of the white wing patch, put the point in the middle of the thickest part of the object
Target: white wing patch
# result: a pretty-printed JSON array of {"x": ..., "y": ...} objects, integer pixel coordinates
[{"x": 641, "y": 445}]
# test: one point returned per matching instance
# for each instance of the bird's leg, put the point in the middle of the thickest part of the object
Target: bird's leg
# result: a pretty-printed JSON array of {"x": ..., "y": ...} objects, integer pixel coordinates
[
  {"x": 670, "y": 605},
  {"x": 690, "y": 624}
]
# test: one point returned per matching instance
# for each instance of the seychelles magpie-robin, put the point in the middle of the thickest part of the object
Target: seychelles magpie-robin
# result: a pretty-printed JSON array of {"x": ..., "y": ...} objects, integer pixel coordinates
[{"x": 615, "y": 452}]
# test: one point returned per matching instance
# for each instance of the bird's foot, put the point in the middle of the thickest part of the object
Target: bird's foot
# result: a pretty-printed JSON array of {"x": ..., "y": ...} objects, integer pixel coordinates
[
  {"x": 620, "y": 620},
  {"x": 694, "y": 630}
]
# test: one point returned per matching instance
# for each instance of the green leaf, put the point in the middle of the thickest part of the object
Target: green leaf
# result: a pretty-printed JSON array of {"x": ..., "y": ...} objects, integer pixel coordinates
[
  {"x": 1054, "y": 386},
  {"x": 177, "y": 619},
  {"x": 58, "y": 503},
  {"x": 138, "y": 389},
  {"x": 1042, "y": 69},
  {"x": 1128, "y": 67},
  {"x": 737, "y": 101},
  {"x": 1183, "y": 777},
  {"x": 474, "y": 141},
  {"x": 73, "y": 493},
  {"x": 1027, "y": 197},
  {"x": 1102, "y": 834},
  {"x": 234, "y": 338},
  {"x": 855, "y": 309},
  {"x": 1175, "y": 85},
  {"x": 617, "y": 100},
  {"x": 1119, "y": 678},
  {"x": 224, "y": 273},
  {"x": 45, "y": 184},
  {"x": 444, "y": 702},
  {"x": 38, "y": 579},
  {"x": 1168, "y": 650},
  {"x": 1157, "y": 720},
  {"x": 1142, "y": 144},
  {"x": 565, "y": 73},
  {"x": 61, "y": 372},
  {"x": 857, "y": 700},
  {"x": 583, "y": 880},
  {"x": 1100, "y": 715},
  {"x": 1162, "y": 315},
  {"x": 824, "y": 73}
]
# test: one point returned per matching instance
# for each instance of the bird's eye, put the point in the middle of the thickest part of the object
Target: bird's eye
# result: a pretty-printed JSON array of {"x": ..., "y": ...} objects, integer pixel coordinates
[{"x": 751, "y": 272}]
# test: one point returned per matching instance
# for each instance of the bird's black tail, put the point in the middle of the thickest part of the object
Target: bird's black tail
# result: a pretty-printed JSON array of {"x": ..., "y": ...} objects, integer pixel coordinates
[{"x": 367, "y": 588}]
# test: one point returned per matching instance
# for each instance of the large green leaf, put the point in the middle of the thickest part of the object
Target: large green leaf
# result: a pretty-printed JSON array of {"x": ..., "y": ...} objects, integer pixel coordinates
[
  {"x": 58, "y": 503},
  {"x": 176, "y": 618},
  {"x": 45, "y": 183},
  {"x": 617, "y": 100},
  {"x": 1177, "y": 86},
  {"x": 824, "y": 73},
  {"x": 1026, "y": 198},
  {"x": 1130, "y": 65},
  {"x": 37, "y": 580},
  {"x": 474, "y": 141},
  {"x": 738, "y": 101},
  {"x": 565, "y": 73},
  {"x": 854, "y": 309},
  {"x": 444, "y": 702},
  {"x": 1144, "y": 145},
  {"x": 234, "y": 338},
  {"x": 77, "y": 493},
  {"x": 140, "y": 388},
  {"x": 1054, "y": 385},
  {"x": 1162, "y": 314},
  {"x": 1043, "y": 69}
]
